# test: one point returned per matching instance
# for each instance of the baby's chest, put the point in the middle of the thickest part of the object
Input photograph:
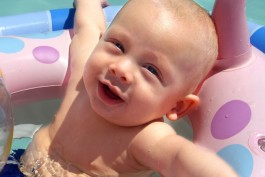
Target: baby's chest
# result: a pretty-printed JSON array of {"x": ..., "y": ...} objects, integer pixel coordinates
[
  {"x": 111, "y": 161},
  {"x": 98, "y": 156}
]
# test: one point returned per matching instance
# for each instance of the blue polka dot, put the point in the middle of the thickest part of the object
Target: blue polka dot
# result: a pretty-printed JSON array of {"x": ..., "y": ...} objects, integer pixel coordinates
[
  {"x": 11, "y": 45},
  {"x": 47, "y": 35},
  {"x": 239, "y": 158}
]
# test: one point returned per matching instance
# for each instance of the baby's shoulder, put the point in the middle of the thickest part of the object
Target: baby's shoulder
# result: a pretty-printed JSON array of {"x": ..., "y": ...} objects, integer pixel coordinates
[
  {"x": 146, "y": 145},
  {"x": 159, "y": 128},
  {"x": 154, "y": 132}
]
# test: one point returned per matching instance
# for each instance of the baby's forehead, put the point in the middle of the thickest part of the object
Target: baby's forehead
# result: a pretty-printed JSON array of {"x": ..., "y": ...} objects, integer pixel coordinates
[
  {"x": 163, "y": 26},
  {"x": 144, "y": 7}
]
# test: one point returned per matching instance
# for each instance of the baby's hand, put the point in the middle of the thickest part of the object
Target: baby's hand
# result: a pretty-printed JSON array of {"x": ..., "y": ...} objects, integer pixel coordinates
[{"x": 104, "y": 3}]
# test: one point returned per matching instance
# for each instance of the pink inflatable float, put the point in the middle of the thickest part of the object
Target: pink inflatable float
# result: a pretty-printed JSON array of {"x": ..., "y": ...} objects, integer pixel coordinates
[
  {"x": 230, "y": 118},
  {"x": 35, "y": 65}
]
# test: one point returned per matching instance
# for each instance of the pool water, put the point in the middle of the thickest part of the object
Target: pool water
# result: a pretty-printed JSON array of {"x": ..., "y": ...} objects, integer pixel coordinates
[
  {"x": 255, "y": 8},
  {"x": 11, "y": 7}
]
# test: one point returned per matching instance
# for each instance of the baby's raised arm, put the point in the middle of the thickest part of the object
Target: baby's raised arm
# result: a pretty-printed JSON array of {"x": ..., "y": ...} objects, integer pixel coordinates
[
  {"x": 89, "y": 24},
  {"x": 187, "y": 159},
  {"x": 174, "y": 156}
]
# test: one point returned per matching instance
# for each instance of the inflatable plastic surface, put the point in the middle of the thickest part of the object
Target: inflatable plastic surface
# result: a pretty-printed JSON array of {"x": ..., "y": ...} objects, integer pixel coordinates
[
  {"x": 37, "y": 60},
  {"x": 45, "y": 21},
  {"x": 231, "y": 117}
]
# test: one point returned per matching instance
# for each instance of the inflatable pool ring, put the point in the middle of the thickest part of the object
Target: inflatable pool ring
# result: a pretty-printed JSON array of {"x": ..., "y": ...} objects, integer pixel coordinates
[
  {"x": 230, "y": 119},
  {"x": 35, "y": 66},
  {"x": 45, "y": 21},
  {"x": 6, "y": 123}
]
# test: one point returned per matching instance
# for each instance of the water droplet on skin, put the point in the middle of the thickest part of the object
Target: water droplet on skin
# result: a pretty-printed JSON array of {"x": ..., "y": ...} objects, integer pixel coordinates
[{"x": 208, "y": 111}]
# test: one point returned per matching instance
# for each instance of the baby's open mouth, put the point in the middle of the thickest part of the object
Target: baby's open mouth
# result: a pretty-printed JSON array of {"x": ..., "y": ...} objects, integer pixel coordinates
[{"x": 110, "y": 93}]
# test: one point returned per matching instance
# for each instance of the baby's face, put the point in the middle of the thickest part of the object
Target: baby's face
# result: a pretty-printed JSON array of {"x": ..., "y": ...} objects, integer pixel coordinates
[{"x": 138, "y": 71}]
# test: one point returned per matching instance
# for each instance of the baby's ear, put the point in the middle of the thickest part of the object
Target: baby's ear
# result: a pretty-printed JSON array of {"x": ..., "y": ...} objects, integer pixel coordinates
[{"x": 183, "y": 107}]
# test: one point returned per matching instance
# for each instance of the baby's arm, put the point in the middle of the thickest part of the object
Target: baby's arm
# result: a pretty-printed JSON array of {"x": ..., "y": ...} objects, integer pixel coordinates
[
  {"x": 89, "y": 24},
  {"x": 174, "y": 156}
]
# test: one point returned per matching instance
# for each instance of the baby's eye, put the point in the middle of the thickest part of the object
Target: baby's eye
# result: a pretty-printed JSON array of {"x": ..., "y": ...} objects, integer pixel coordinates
[
  {"x": 152, "y": 70},
  {"x": 119, "y": 46}
]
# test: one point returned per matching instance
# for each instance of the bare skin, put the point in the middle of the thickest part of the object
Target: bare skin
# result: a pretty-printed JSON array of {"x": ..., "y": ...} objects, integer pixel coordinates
[{"x": 101, "y": 128}]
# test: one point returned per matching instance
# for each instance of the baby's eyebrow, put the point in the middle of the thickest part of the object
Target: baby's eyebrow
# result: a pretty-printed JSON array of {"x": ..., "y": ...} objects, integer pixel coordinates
[
  {"x": 160, "y": 61},
  {"x": 120, "y": 34},
  {"x": 158, "y": 58}
]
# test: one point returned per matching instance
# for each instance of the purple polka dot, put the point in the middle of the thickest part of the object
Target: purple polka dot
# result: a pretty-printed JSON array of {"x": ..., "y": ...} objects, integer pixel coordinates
[
  {"x": 46, "y": 54},
  {"x": 230, "y": 119}
]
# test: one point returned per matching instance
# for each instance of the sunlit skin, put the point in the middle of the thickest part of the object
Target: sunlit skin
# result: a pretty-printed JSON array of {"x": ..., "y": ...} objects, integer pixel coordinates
[{"x": 123, "y": 80}]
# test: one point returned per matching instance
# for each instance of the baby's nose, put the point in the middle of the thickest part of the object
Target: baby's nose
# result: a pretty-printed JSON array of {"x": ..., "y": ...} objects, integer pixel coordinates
[{"x": 123, "y": 71}]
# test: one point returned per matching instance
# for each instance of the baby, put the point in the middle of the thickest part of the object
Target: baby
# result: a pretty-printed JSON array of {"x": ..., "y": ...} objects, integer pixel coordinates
[{"x": 147, "y": 64}]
